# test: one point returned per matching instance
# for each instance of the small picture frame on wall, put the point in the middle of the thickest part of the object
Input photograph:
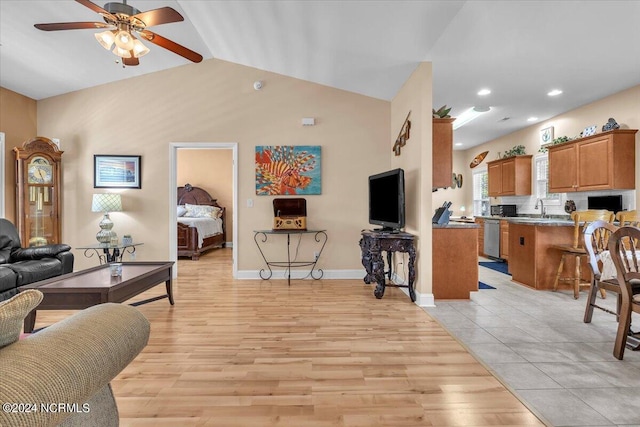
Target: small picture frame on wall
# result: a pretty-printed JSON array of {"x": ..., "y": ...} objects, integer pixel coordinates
[
  {"x": 112, "y": 171},
  {"x": 546, "y": 135}
]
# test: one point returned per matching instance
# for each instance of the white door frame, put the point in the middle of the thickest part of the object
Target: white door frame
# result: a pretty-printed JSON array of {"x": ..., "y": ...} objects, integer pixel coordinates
[
  {"x": 173, "y": 196},
  {"x": 3, "y": 170}
]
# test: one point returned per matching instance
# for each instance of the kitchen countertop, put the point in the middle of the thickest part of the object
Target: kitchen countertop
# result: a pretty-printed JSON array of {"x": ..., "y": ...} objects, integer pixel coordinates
[
  {"x": 453, "y": 224},
  {"x": 530, "y": 220}
]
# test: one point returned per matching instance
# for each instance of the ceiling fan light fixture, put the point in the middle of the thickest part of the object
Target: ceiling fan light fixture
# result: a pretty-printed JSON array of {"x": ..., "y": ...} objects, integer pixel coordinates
[
  {"x": 139, "y": 49},
  {"x": 124, "y": 40},
  {"x": 121, "y": 52},
  {"x": 106, "y": 39}
]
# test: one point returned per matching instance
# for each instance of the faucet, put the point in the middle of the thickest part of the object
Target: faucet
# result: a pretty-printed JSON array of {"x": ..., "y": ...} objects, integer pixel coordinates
[{"x": 542, "y": 209}]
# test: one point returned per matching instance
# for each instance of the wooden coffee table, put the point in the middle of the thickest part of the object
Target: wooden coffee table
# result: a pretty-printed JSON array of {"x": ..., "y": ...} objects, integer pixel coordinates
[{"x": 85, "y": 288}]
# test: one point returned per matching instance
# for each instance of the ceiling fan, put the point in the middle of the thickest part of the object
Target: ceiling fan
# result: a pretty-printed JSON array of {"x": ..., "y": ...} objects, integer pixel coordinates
[{"x": 121, "y": 22}]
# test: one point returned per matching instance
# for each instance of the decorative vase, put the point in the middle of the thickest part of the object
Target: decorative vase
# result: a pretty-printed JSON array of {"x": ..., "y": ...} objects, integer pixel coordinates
[{"x": 569, "y": 206}]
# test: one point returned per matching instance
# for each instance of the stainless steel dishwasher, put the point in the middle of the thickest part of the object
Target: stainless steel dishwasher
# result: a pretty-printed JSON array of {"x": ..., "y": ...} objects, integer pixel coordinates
[{"x": 492, "y": 238}]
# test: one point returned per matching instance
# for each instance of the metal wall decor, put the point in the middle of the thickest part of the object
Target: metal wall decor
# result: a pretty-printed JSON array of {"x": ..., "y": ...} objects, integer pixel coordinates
[{"x": 402, "y": 138}]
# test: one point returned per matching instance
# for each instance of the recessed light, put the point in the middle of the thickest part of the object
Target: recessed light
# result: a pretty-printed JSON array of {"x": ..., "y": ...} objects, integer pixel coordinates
[
  {"x": 554, "y": 92},
  {"x": 459, "y": 144},
  {"x": 532, "y": 119},
  {"x": 484, "y": 92}
]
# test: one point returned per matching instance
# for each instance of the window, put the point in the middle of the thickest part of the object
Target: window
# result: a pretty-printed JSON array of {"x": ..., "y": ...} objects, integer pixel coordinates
[
  {"x": 480, "y": 193},
  {"x": 542, "y": 181}
]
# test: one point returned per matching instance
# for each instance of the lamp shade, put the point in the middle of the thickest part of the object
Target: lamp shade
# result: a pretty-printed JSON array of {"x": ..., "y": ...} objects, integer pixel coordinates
[{"x": 106, "y": 202}]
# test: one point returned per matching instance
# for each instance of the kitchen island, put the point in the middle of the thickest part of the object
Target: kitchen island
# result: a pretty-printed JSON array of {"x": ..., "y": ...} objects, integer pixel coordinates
[{"x": 533, "y": 261}]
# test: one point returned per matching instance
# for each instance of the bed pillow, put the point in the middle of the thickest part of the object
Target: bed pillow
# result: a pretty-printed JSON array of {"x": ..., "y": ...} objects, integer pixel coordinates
[
  {"x": 199, "y": 211},
  {"x": 181, "y": 210},
  {"x": 217, "y": 212}
]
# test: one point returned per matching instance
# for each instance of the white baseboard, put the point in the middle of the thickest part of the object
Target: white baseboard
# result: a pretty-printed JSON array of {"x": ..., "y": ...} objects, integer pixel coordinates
[
  {"x": 228, "y": 244},
  {"x": 422, "y": 300},
  {"x": 299, "y": 274}
]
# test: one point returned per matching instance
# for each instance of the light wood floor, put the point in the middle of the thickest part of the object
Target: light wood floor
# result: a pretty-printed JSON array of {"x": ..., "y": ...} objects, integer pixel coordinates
[{"x": 318, "y": 353}]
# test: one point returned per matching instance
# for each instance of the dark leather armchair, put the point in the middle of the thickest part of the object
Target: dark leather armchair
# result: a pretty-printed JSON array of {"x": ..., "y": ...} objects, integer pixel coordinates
[{"x": 21, "y": 266}]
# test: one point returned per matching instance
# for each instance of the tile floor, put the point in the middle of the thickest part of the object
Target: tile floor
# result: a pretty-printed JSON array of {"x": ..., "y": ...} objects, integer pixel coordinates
[{"x": 537, "y": 344}]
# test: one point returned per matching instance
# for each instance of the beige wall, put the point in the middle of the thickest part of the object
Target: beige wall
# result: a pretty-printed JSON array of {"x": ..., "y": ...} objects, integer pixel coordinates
[
  {"x": 623, "y": 106},
  {"x": 211, "y": 170},
  {"x": 214, "y": 101},
  {"x": 415, "y": 158},
  {"x": 18, "y": 122}
]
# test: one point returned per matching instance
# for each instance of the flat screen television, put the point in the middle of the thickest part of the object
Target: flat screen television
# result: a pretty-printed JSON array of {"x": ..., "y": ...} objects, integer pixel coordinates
[{"x": 386, "y": 200}]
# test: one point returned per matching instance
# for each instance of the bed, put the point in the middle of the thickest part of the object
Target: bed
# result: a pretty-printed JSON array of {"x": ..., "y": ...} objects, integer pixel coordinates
[{"x": 197, "y": 231}]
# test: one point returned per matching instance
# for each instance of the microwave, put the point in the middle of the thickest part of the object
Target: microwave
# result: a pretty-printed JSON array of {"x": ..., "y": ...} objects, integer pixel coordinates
[{"x": 503, "y": 210}]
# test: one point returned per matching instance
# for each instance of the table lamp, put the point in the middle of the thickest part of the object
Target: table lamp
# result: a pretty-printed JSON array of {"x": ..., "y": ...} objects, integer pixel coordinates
[{"x": 106, "y": 202}]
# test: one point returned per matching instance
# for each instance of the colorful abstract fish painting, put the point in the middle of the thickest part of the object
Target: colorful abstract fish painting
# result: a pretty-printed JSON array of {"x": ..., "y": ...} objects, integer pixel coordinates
[{"x": 287, "y": 170}]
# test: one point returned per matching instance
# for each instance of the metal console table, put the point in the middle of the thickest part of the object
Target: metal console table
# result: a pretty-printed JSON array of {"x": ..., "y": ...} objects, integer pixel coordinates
[
  {"x": 261, "y": 236},
  {"x": 108, "y": 252},
  {"x": 372, "y": 244}
]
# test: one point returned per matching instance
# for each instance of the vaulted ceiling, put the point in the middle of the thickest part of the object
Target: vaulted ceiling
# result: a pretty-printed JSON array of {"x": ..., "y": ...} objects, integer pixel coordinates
[{"x": 519, "y": 49}]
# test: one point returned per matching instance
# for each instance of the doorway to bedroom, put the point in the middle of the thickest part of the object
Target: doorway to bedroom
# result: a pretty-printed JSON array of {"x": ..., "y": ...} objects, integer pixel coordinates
[{"x": 211, "y": 167}]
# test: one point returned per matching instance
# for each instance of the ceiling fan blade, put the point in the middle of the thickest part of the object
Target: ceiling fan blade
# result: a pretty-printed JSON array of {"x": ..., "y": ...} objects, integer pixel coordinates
[
  {"x": 164, "y": 15},
  {"x": 131, "y": 61},
  {"x": 71, "y": 26},
  {"x": 172, "y": 46},
  {"x": 94, "y": 7}
]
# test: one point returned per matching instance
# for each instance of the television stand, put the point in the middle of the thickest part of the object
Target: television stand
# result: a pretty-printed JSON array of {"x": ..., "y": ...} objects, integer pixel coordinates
[
  {"x": 372, "y": 244},
  {"x": 387, "y": 230}
]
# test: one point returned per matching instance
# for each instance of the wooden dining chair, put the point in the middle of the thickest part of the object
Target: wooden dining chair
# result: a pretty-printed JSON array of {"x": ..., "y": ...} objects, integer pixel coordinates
[
  {"x": 628, "y": 218},
  {"x": 576, "y": 249},
  {"x": 624, "y": 247},
  {"x": 596, "y": 241}
]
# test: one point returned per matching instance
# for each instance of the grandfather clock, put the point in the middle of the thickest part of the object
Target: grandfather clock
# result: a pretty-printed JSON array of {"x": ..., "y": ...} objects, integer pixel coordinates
[{"x": 38, "y": 192}]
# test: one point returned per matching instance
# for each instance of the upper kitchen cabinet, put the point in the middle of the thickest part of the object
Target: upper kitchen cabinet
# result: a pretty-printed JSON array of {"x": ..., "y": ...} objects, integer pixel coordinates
[
  {"x": 442, "y": 152},
  {"x": 605, "y": 161},
  {"x": 510, "y": 176}
]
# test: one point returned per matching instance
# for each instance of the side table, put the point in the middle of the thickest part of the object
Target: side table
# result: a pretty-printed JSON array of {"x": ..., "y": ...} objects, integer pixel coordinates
[
  {"x": 372, "y": 244},
  {"x": 261, "y": 236},
  {"x": 109, "y": 252}
]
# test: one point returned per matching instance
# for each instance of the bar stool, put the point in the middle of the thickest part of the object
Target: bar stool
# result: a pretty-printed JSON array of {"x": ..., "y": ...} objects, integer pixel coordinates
[
  {"x": 631, "y": 218},
  {"x": 577, "y": 250}
]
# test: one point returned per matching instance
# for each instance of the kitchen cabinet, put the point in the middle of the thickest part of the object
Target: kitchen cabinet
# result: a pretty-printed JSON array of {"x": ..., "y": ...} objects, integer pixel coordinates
[
  {"x": 480, "y": 222},
  {"x": 533, "y": 261},
  {"x": 455, "y": 261},
  {"x": 442, "y": 152},
  {"x": 605, "y": 161},
  {"x": 510, "y": 176},
  {"x": 504, "y": 239}
]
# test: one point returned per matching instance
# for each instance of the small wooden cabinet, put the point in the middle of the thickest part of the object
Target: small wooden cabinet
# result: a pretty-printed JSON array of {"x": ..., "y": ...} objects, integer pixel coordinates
[
  {"x": 510, "y": 176},
  {"x": 442, "y": 143},
  {"x": 480, "y": 222},
  {"x": 38, "y": 189},
  {"x": 605, "y": 161},
  {"x": 504, "y": 239}
]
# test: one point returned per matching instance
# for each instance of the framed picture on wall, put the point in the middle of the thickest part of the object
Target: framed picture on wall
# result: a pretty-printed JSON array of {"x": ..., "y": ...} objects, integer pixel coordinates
[
  {"x": 546, "y": 135},
  {"x": 288, "y": 170},
  {"x": 112, "y": 171}
]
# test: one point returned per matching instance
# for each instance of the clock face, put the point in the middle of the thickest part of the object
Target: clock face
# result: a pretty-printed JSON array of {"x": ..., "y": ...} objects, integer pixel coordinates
[{"x": 39, "y": 171}]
